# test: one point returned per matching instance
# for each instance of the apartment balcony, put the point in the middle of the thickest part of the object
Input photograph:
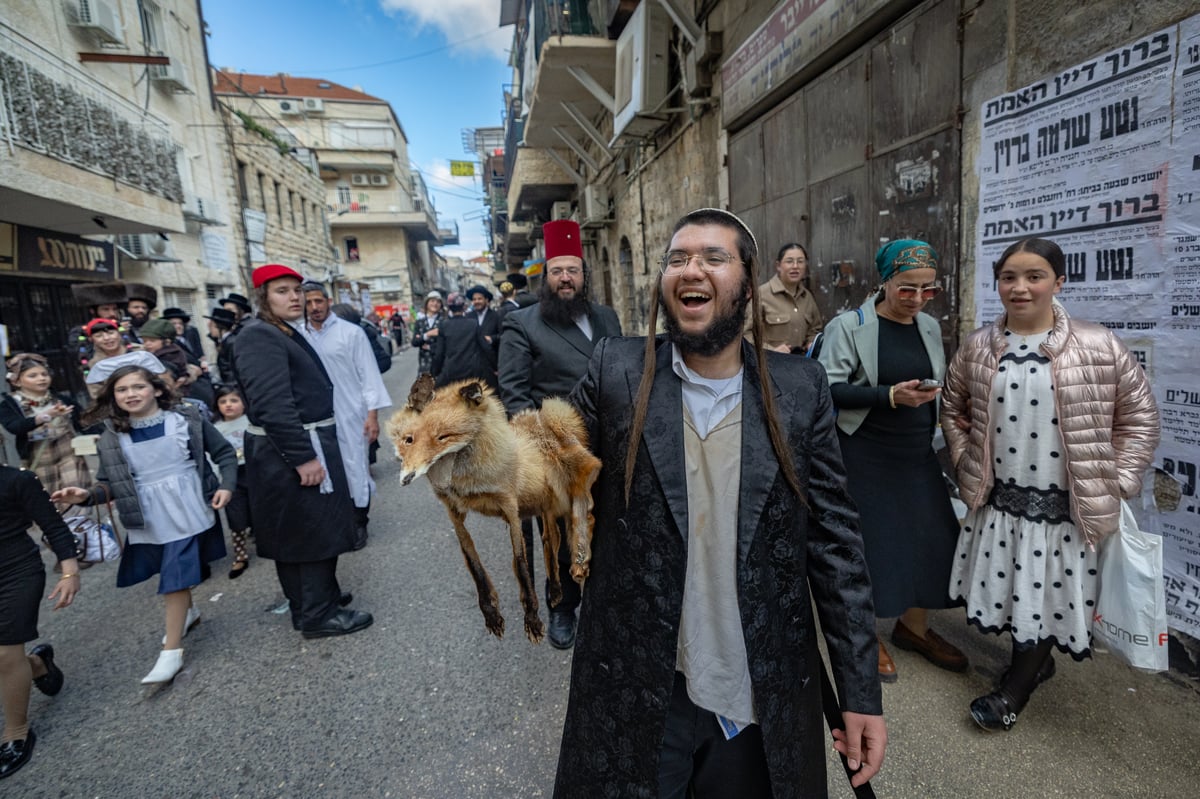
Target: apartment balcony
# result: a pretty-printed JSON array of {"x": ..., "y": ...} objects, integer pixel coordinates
[
  {"x": 575, "y": 74},
  {"x": 420, "y": 224},
  {"x": 539, "y": 178},
  {"x": 448, "y": 232},
  {"x": 73, "y": 150}
]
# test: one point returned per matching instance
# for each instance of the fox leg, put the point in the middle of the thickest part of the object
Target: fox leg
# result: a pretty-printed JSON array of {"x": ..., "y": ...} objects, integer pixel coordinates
[
  {"x": 533, "y": 624},
  {"x": 582, "y": 521},
  {"x": 551, "y": 541},
  {"x": 489, "y": 603}
]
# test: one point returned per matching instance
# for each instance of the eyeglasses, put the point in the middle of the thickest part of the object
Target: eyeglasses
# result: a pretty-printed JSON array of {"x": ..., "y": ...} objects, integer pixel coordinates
[
  {"x": 559, "y": 271},
  {"x": 711, "y": 260},
  {"x": 794, "y": 261},
  {"x": 926, "y": 292}
]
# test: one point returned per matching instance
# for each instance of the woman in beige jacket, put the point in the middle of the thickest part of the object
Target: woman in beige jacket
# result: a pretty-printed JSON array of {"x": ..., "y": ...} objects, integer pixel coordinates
[{"x": 1050, "y": 423}]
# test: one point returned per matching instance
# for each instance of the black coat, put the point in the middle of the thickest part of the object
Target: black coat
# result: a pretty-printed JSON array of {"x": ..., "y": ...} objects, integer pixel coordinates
[
  {"x": 490, "y": 326},
  {"x": 286, "y": 387},
  {"x": 539, "y": 359},
  {"x": 624, "y": 663},
  {"x": 461, "y": 352}
]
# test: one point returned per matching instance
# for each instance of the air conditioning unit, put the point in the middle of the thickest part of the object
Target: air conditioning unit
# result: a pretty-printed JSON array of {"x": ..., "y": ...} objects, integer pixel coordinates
[
  {"x": 146, "y": 247},
  {"x": 99, "y": 17},
  {"x": 290, "y": 107},
  {"x": 360, "y": 179},
  {"x": 595, "y": 206},
  {"x": 560, "y": 210},
  {"x": 379, "y": 180},
  {"x": 314, "y": 105},
  {"x": 642, "y": 80},
  {"x": 170, "y": 76}
]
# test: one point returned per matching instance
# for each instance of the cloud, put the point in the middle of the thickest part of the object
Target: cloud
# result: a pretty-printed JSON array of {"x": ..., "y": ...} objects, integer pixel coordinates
[{"x": 469, "y": 26}]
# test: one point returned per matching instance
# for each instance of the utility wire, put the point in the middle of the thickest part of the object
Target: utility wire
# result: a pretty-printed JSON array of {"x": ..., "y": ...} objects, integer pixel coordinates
[{"x": 412, "y": 57}]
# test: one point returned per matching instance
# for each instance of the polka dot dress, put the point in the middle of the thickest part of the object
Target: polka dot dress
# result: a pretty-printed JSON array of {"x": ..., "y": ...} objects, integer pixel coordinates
[{"x": 1021, "y": 565}]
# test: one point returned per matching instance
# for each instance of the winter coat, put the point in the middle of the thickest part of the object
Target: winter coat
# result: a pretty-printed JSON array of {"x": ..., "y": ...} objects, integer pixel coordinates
[
  {"x": 286, "y": 387},
  {"x": 1107, "y": 417},
  {"x": 628, "y": 636},
  {"x": 114, "y": 479},
  {"x": 540, "y": 359}
]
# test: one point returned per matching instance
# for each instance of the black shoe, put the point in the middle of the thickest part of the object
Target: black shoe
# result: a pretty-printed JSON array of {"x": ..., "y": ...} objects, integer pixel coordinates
[
  {"x": 342, "y": 622},
  {"x": 360, "y": 538},
  {"x": 562, "y": 629},
  {"x": 995, "y": 712},
  {"x": 345, "y": 599},
  {"x": 51, "y": 682},
  {"x": 15, "y": 754}
]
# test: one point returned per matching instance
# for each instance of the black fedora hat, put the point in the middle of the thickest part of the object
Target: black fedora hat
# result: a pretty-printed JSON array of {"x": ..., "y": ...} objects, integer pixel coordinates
[
  {"x": 479, "y": 290},
  {"x": 239, "y": 301},
  {"x": 223, "y": 317},
  {"x": 176, "y": 313},
  {"x": 518, "y": 280}
]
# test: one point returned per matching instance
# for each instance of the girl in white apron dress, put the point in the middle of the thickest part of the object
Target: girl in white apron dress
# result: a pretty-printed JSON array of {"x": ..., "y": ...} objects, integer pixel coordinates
[{"x": 178, "y": 530}]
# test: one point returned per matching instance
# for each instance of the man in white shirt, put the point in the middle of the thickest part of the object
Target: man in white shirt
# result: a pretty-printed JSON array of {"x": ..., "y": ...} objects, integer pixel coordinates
[{"x": 358, "y": 394}]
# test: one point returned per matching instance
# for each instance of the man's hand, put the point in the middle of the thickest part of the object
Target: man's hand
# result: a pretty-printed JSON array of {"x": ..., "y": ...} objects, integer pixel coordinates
[
  {"x": 371, "y": 427},
  {"x": 311, "y": 473},
  {"x": 221, "y": 498},
  {"x": 863, "y": 742}
]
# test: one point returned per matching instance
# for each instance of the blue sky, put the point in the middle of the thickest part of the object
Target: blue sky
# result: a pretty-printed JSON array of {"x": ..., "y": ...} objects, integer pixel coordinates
[{"x": 435, "y": 96}]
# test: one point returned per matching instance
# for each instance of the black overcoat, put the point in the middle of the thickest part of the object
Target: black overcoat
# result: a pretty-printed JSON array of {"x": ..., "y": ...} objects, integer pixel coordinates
[
  {"x": 460, "y": 352},
  {"x": 539, "y": 359},
  {"x": 286, "y": 387},
  {"x": 624, "y": 662}
]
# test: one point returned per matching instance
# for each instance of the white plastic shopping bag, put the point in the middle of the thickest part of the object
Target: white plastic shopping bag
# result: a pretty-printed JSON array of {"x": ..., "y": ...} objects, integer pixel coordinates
[{"x": 1131, "y": 610}]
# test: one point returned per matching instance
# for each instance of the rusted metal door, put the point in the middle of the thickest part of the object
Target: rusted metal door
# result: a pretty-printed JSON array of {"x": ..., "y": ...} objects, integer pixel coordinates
[{"x": 866, "y": 152}]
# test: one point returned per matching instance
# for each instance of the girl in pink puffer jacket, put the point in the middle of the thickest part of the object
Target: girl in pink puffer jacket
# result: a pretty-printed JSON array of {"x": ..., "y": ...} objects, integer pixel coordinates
[{"x": 1050, "y": 421}]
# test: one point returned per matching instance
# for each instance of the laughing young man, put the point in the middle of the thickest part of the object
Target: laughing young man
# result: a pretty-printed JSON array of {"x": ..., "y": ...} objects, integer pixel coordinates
[{"x": 722, "y": 503}]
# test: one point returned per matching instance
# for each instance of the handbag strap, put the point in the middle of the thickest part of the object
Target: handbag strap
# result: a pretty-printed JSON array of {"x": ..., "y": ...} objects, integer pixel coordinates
[
  {"x": 112, "y": 520},
  {"x": 833, "y": 717}
]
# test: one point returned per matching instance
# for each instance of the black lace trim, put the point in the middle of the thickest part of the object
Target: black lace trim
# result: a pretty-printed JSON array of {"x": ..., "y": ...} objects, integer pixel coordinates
[
  {"x": 1007, "y": 629},
  {"x": 1035, "y": 356},
  {"x": 1048, "y": 505}
]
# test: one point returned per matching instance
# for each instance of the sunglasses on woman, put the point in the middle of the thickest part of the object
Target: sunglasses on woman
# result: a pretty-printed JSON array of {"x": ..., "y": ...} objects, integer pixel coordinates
[{"x": 925, "y": 292}]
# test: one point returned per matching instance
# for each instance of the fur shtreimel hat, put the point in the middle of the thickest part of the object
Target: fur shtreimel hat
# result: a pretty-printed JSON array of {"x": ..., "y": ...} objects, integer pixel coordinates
[
  {"x": 90, "y": 295},
  {"x": 140, "y": 291}
]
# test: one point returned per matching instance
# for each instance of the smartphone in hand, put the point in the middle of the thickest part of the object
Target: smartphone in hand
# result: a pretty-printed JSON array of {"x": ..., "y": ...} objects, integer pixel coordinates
[{"x": 928, "y": 384}]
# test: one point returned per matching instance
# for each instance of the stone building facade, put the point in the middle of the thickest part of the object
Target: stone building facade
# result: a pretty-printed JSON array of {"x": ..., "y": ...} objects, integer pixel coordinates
[{"x": 85, "y": 168}]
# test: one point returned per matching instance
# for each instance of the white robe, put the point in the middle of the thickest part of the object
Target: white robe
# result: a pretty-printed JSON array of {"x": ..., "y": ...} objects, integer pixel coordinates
[{"x": 357, "y": 388}]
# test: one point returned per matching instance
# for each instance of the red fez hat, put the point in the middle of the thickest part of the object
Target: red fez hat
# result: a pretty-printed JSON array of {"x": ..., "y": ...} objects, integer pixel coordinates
[
  {"x": 269, "y": 272},
  {"x": 96, "y": 324},
  {"x": 562, "y": 238}
]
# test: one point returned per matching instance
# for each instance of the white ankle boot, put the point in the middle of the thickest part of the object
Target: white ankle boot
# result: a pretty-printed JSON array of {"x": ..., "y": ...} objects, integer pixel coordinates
[
  {"x": 170, "y": 661},
  {"x": 193, "y": 618}
]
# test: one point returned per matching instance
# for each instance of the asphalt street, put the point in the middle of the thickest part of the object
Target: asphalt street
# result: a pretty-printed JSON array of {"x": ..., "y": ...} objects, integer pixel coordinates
[{"x": 427, "y": 705}]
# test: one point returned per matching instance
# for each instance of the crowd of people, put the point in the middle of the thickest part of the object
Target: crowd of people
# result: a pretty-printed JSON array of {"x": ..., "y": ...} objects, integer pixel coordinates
[{"x": 745, "y": 486}]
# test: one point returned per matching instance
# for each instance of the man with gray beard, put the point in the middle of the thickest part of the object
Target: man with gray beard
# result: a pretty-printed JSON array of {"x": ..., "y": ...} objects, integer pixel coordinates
[{"x": 544, "y": 350}]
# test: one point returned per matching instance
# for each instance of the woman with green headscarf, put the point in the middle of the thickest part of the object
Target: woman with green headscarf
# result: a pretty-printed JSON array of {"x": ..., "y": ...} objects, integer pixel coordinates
[{"x": 886, "y": 362}]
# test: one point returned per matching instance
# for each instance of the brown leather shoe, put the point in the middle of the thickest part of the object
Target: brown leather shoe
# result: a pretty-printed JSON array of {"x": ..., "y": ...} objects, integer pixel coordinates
[
  {"x": 933, "y": 647},
  {"x": 887, "y": 667}
]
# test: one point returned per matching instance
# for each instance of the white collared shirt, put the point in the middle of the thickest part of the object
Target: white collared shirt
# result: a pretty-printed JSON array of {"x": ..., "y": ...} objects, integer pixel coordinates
[{"x": 707, "y": 400}]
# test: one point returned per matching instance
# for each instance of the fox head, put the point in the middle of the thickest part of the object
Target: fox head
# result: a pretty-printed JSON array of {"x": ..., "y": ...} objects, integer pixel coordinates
[{"x": 435, "y": 424}]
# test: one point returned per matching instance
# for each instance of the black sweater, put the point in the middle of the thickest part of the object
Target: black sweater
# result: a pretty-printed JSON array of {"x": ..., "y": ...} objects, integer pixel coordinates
[{"x": 23, "y": 502}]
